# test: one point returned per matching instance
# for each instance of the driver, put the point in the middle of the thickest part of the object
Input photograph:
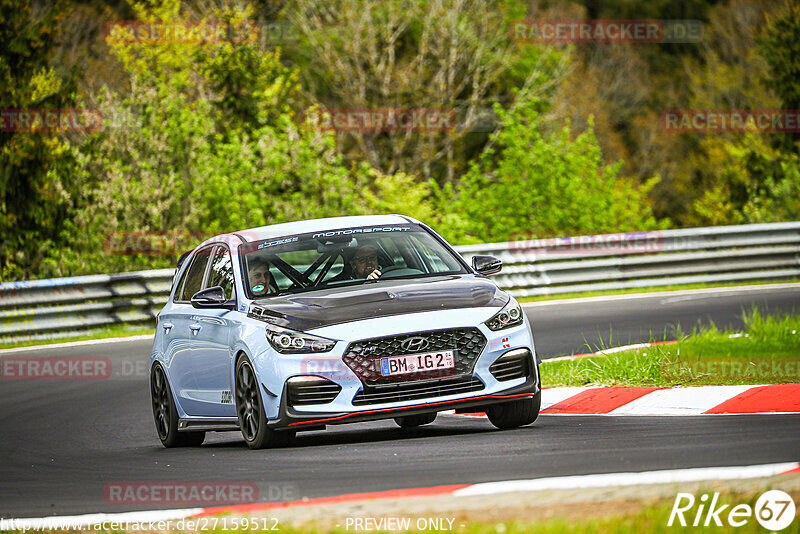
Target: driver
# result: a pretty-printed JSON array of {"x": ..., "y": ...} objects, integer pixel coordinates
[
  {"x": 364, "y": 263},
  {"x": 259, "y": 276}
]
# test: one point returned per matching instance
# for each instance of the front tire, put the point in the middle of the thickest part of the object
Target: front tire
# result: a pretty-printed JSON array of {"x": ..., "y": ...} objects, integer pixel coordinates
[
  {"x": 515, "y": 413},
  {"x": 412, "y": 421},
  {"x": 250, "y": 411},
  {"x": 166, "y": 415}
]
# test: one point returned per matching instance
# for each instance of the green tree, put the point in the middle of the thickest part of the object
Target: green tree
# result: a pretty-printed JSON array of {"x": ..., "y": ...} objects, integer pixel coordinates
[
  {"x": 756, "y": 177},
  {"x": 34, "y": 197},
  {"x": 183, "y": 152},
  {"x": 779, "y": 44},
  {"x": 452, "y": 55},
  {"x": 529, "y": 184}
]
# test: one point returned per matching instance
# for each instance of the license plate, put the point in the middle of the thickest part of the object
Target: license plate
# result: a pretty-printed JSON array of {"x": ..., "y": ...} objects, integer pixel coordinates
[{"x": 415, "y": 363}]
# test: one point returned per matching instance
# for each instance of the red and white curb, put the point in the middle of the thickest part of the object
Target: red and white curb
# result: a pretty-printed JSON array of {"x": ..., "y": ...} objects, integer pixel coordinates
[
  {"x": 700, "y": 400},
  {"x": 656, "y": 401},
  {"x": 455, "y": 490}
]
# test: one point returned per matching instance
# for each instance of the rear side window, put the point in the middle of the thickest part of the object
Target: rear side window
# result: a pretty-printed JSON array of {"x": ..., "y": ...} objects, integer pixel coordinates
[
  {"x": 194, "y": 274},
  {"x": 221, "y": 273},
  {"x": 183, "y": 276}
]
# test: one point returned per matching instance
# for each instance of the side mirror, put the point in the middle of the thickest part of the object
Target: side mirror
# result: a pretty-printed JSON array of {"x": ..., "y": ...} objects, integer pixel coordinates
[
  {"x": 210, "y": 297},
  {"x": 486, "y": 264}
]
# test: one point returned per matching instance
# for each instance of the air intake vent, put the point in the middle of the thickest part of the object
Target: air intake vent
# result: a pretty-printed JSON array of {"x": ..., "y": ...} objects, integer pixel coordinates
[
  {"x": 515, "y": 364},
  {"x": 306, "y": 390}
]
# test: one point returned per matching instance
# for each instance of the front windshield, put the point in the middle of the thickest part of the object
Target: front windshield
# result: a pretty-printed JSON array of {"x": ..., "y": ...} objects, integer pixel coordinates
[{"x": 348, "y": 256}]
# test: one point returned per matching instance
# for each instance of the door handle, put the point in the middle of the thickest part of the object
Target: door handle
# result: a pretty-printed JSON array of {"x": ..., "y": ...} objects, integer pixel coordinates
[
  {"x": 167, "y": 327},
  {"x": 195, "y": 328}
]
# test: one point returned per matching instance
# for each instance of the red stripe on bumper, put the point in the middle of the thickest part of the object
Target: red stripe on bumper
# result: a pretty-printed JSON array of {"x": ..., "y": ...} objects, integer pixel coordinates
[{"x": 401, "y": 408}]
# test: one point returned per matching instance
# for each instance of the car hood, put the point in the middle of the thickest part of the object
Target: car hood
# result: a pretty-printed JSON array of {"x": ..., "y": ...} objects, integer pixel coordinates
[{"x": 307, "y": 311}]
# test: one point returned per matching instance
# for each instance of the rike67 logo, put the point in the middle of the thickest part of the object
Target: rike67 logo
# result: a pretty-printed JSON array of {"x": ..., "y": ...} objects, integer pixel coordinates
[{"x": 774, "y": 510}]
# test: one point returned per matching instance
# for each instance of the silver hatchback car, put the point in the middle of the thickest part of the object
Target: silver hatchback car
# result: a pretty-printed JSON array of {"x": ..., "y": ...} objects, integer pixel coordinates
[{"x": 296, "y": 326}]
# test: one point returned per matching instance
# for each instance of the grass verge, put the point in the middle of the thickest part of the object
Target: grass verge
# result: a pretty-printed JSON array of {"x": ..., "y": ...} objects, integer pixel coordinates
[
  {"x": 614, "y": 510},
  {"x": 767, "y": 352}
]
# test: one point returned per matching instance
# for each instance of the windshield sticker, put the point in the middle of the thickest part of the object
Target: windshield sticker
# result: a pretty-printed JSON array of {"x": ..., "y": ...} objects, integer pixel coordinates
[
  {"x": 278, "y": 242},
  {"x": 361, "y": 231},
  {"x": 257, "y": 289},
  {"x": 249, "y": 248}
]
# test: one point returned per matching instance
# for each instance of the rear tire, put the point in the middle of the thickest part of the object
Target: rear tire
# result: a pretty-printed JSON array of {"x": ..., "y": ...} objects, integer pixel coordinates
[
  {"x": 515, "y": 413},
  {"x": 250, "y": 411},
  {"x": 166, "y": 415},
  {"x": 411, "y": 421}
]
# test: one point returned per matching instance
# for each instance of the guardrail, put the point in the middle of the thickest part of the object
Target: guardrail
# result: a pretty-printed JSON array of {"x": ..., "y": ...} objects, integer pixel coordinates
[{"x": 64, "y": 307}]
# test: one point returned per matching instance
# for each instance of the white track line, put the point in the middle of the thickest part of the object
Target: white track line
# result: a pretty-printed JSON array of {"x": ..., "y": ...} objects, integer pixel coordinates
[
  {"x": 52, "y": 346},
  {"x": 710, "y": 291},
  {"x": 488, "y": 488},
  {"x": 681, "y": 401},
  {"x": 627, "y": 479}
]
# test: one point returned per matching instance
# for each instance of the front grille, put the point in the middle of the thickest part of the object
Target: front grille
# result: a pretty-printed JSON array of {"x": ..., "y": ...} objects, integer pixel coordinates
[
  {"x": 318, "y": 391},
  {"x": 511, "y": 367},
  {"x": 407, "y": 391},
  {"x": 363, "y": 357}
]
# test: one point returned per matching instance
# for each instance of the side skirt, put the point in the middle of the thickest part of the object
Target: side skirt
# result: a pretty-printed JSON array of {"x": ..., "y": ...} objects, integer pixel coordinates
[{"x": 208, "y": 424}]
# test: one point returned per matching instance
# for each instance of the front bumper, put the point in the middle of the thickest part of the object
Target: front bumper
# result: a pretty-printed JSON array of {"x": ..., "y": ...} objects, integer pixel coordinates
[
  {"x": 352, "y": 395},
  {"x": 291, "y": 419}
]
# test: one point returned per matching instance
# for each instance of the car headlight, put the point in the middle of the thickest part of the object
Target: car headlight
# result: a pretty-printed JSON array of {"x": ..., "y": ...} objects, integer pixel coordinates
[
  {"x": 510, "y": 315},
  {"x": 288, "y": 341}
]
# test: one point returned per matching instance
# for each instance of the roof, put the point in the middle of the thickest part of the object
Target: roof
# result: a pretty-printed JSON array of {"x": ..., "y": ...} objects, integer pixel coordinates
[{"x": 318, "y": 225}]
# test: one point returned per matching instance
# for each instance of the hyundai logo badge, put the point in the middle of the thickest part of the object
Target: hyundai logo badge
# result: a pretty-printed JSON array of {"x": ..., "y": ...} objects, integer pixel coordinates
[{"x": 414, "y": 344}]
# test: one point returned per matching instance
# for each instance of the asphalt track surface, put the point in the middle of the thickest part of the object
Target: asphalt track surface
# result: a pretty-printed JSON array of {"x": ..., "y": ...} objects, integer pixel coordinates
[{"x": 63, "y": 442}]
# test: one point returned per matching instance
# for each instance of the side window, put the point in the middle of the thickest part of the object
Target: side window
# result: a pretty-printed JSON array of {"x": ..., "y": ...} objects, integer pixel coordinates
[
  {"x": 194, "y": 274},
  {"x": 221, "y": 273},
  {"x": 177, "y": 296}
]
